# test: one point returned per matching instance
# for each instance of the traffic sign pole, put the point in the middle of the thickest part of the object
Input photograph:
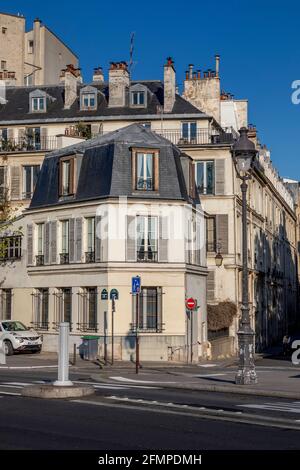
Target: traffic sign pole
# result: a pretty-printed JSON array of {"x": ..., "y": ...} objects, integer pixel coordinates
[{"x": 137, "y": 343}]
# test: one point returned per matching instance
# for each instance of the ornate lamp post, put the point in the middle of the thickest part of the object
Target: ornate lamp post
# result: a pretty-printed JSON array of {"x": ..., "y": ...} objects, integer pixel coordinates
[
  {"x": 218, "y": 257},
  {"x": 243, "y": 153}
]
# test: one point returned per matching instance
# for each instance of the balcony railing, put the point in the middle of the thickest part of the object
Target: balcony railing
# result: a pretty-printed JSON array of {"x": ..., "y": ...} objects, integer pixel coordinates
[
  {"x": 200, "y": 137},
  {"x": 146, "y": 256},
  {"x": 28, "y": 144},
  {"x": 40, "y": 325},
  {"x": 91, "y": 326},
  {"x": 39, "y": 260},
  {"x": 64, "y": 258},
  {"x": 156, "y": 327},
  {"x": 90, "y": 257}
]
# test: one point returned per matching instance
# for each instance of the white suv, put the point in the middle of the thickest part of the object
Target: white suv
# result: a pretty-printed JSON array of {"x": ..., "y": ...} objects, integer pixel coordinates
[{"x": 17, "y": 337}]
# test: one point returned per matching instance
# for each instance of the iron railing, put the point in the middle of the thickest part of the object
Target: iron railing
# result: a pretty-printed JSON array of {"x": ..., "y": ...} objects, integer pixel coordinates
[
  {"x": 146, "y": 256},
  {"x": 64, "y": 258},
  {"x": 40, "y": 325},
  {"x": 91, "y": 326},
  {"x": 28, "y": 144},
  {"x": 90, "y": 257},
  {"x": 200, "y": 137},
  {"x": 157, "y": 328},
  {"x": 39, "y": 260}
]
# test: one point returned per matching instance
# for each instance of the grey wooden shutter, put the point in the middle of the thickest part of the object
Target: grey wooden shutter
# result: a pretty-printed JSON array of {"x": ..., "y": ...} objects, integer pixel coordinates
[
  {"x": 15, "y": 182},
  {"x": 220, "y": 176},
  {"x": 130, "y": 239},
  {"x": 30, "y": 244},
  {"x": 72, "y": 240},
  {"x": 98, "y": 256},
  {"x": 2, "y": 181},
  {"x": 222, "y": 232},
  {"x": 47, "y": 243},
  {"x": 163, "y": 239},
  {"x": 44, "y": 145},
  {"x": 210, "y": 287},
  {"x": 53, "y": 242},
  {"x": 78, "y": 239}
]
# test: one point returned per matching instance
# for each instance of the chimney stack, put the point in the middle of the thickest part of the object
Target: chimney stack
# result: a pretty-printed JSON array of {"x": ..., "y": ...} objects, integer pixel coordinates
[
  {"x": 217, "y": 65},
  {"x": 98, "y": 75},
  {"x": 169, "y": 85},
  {"x": 191, "y": 71},
  {"x": 118, "y": 79},
  {"x": 70, "y": 76}
]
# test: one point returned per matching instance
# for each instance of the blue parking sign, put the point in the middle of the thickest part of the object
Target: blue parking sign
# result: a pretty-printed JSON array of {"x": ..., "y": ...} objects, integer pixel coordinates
[{"x": 135, "y": 285}]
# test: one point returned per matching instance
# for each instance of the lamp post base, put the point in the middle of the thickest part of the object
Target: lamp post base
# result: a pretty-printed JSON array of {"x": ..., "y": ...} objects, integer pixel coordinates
[{"x": 246, "y": 374}]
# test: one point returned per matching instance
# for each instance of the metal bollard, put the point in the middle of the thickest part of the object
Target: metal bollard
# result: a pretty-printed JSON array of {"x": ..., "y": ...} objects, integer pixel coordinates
[
  {"x": 63, "y": 357},
  {"x": 2, "y": 353}
]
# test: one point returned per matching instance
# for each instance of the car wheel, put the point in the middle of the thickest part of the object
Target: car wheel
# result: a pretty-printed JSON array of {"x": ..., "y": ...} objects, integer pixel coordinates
[{"x": 9, "y": 350}]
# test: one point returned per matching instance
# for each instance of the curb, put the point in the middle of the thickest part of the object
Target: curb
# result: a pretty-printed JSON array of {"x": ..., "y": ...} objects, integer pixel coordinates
[
  {"x": 236, "y": 389},
  {"x": 53, "y": 391}
]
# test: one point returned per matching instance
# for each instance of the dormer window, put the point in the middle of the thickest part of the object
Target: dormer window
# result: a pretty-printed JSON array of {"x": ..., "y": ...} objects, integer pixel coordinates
[
  {"x": 138, "y": 98},
  {"x": 38, "y": 104},
  {"x": 66, "y": 176},
  {"x": 88, "y": 98},
  {"x": 145, "y": 170}
]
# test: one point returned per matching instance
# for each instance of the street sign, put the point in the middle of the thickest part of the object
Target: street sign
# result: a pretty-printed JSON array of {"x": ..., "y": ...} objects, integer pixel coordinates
[
  {"x": 136, "y": 285},
  {"x": 104, "y": 294},
  {"x": 114, "y": 294},
  {"x": 191, "y": 303}
]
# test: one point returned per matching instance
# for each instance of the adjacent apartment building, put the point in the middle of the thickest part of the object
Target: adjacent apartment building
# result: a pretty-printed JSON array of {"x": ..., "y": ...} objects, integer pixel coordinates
[{"x": 33, "y": 57}]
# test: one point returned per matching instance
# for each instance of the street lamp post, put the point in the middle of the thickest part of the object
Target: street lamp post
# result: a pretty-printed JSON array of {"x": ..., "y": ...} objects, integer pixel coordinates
[{"x": 243, "y": 153}]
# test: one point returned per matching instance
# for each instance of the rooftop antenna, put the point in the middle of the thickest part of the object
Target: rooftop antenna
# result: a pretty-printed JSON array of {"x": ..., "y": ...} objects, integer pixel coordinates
[{"x": 131, "y": 63}]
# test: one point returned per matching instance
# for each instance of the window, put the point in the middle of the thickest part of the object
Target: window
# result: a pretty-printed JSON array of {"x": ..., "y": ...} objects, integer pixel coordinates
[
  {"x": 137, "y": 98},
  {"x": 211, "y": 234},
  {"x": 40, "y": 245},
  {"x": 10, "y": 247},
  {"x": 88, "y": 310},
  {"x": 33, "y": 136},
  {"x": 88, "y": 100},
  {"x": 30, "y": 176},
  {"x": 66, "y": 178},
  {"x": 205, "y": 177},
  {"x": 63, "y": 306},
  {"x": 189, "y": 131},
  {"x": 3, "y": 189},
  {"x": 4, "y": 30},
  {"x": 90, "y": 253},
  {"x": 64, "y": 255},
  {"x": 38, "y": 104},
  {"x": 149, "y": 309},
  {"x": 147, "y": 238},
  {"x": 5, "y": 304},
  {"x": 145, "y": 171},
  {"x": 28, "y": 80},
  {"x": 30, "y": 46},
  {"x": 41, "y": 309},
  {"x": 3, "y": 64}
]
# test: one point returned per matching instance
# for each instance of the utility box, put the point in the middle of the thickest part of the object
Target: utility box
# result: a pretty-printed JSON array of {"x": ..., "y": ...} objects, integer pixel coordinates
[{"x": 88, "y": 350}]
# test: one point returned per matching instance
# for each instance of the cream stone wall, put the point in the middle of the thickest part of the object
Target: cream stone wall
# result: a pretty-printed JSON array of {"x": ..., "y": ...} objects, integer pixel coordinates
[{"x": 12, "y": 44}]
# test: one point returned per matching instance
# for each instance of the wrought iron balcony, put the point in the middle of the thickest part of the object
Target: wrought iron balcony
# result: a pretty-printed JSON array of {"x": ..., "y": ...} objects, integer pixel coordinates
[
  {"x": 91, "y": 326},
  {"x": 146, "y": 256},
  {"x": 64, "y": 258},
  {"x": 90, "y": 257},
  {"x": 39, "y": 260},
  {"x": 154, "y": 328},
  {"x": 200, "y": 137},
  {"x": 28, "y": 144},
  {"x": 40, "y": 325}
]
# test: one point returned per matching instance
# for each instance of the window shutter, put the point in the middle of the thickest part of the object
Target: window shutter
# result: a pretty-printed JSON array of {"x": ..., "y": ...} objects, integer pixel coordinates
[
  {"x": 130, "y": 240},
  {"x": 133, "y": 170},
  {"x": 44, "y": 132},
  {"x": 220, "y": 176},
  {"x": 163, "y": 239},
  {"x": 222, "y": 232},
  {"x": 192, "y": 181},
  {"x": 15, "y": 182},
  {"x": 72, "y": 240},
  {"x": 78, "y": 239},
  {"x": 29, "y": 245},
  {"x": 159, "y": 308},
  {"x": 53, "y": 242},
  {"x": 156, "y": 171},
  {"x": 210, "y": 288},
  {"x": 72, "y": 175},
  {"x": 47, "y": 243},
  {"x": 98, "y": 239},
  {"x": 2, "y": 181}
]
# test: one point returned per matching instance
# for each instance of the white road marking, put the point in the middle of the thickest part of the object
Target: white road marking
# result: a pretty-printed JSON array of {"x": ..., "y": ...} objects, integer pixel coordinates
[
  {"x": 293, "y": 407},
  {"x": 207, "y": 365},
  {"x": 27, "y": 367},
  {"x": 9, "y": 393},
  {"x": 15, "y": 383},
  {"x": 124, "y": 379},
  {"x": 207, "y": 375}
]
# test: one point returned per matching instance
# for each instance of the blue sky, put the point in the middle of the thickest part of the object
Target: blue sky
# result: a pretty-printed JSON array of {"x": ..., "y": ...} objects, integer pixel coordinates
[{"x": 258, "y": 42}]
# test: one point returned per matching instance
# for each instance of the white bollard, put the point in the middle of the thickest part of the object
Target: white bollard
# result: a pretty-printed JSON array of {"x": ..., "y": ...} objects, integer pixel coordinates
[
  {"x": 63, "y": 357},
  {"x": 2, "y": 353}
]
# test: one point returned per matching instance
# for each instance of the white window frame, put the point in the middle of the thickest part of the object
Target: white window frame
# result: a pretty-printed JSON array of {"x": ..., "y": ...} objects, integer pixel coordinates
[
  {"x": 40, "y": 103},
  {"x": 145, "y": 233},
  {"x": 65, "y": 236},
  {"x": 138, "y": 93},
  {"x": 204, "y": 163},
  {"x": 40, "y": 238},
  {"x": 90, "y": 234},
  {"x": 32, "y": 186}
]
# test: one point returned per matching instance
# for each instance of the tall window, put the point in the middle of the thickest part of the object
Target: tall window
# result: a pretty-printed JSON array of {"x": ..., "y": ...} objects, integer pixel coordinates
[
  {"x": 30, "y": 46},
  {"x": 38, "y": 103},
  {"x": 149, "y": 309},
  {"x": 189, "y": 131},
  {"x": 138, "y": 98},
  {"x": 41, "y": 314},
  {"x": 10, "y": 247},
  {"x": 88, "y": 311},
  {"x": 30, "y": 176},
  {"x": 66, "y": 177},
  {"x": 3, "y": 189},
  {"x": 205, "y": 177},
  {"x": 40, "y": 245},
  {"x": 3, "y": 138},
  {"x": 90, "y": 253},
  {"x": 88, "y": 100},
  {"x": 145, "y": 172},
  {"x": 5, "y": 304},
  {"x": 33, "y": 135},
  {"x": 211, "y": 234},
  {"x": 147, "y": 235},
  {"x": 3, "y": 64},
  {"x": 64, "y": 255},
  {"x": 63, "y": 306}
]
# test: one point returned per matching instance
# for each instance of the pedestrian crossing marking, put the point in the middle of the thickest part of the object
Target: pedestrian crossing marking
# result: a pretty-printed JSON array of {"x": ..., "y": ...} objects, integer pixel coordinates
[{"x": 292, "y": 407}]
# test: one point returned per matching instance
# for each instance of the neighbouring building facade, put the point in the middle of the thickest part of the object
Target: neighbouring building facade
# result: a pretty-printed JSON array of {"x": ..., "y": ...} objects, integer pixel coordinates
[
  {"x": 33, "y": 57},
  {"x": 102, "y": 212}
]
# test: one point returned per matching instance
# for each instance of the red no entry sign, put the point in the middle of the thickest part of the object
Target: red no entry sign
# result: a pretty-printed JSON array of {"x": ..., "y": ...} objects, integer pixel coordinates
[{"x": 191, "y": 303}]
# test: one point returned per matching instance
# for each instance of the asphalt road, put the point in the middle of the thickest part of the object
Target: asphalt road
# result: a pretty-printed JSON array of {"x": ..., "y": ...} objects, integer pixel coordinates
[{"x": 138, "y": 417}]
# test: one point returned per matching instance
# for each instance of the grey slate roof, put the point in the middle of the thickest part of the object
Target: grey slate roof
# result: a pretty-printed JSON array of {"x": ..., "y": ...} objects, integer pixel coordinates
[
  {"x": 17, "y": 106},
  {"x": 105, "y": 169}
]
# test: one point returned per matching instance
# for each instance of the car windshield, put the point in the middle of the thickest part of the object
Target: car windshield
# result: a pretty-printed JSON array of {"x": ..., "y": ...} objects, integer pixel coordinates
[{"x": 13, "y": 326}]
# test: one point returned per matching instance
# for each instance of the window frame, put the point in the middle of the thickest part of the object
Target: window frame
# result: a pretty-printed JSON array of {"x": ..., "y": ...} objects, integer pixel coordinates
[
  {"x": 214, "y": 231},
  {"x": 71, "y": 186},
  {"x": 189, "y": 137},
  {"x": 28, "y": 194},
  {"x": 12, "y": 251},
  {"x": 205, "y": 163},
  {"x": 40, "y": 102},
  {"x": 145, "y": 318},
  {"x": 143, "y": 254},
  {"x": 155, "y": 169},
  {"x": 138, "y": 94},
  {"x": 6, "y": 296}
]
